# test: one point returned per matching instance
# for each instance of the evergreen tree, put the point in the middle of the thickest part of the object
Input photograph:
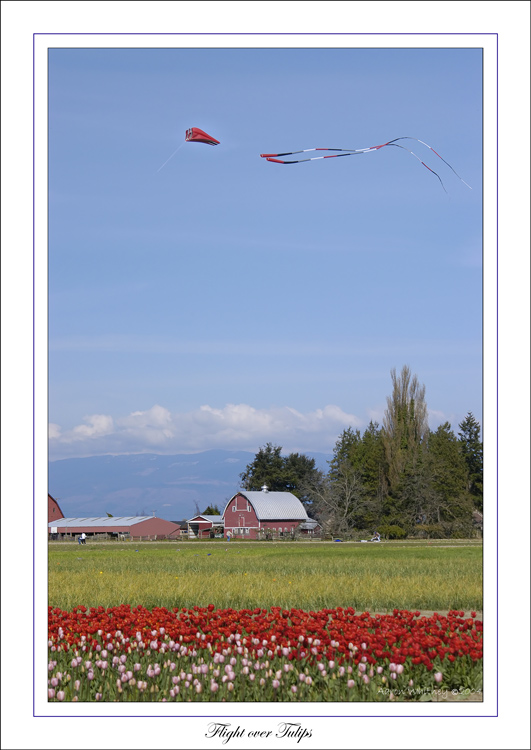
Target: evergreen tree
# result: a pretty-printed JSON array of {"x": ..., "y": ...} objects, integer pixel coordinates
[
  {"x": 373, "y": 472},
  {"x": 472, "y": 450},
  {"x": 451, "y": 501},
  {"x": 267, "y": 467},
  {"x": 359, "y": 462},
  {"x": 412, "y": 501},
  {"x": 345, "y": 451},
  {"x": 212, "y": 510}
]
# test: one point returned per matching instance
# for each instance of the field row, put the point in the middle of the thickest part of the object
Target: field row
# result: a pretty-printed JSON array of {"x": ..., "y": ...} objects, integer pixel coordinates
[{"x": 377, "y": 578}]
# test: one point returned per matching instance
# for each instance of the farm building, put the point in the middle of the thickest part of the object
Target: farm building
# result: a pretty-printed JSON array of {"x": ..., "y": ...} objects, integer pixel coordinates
[
  {"x": 130, "y": 527},
  {"x": 54, "y": 511},
  {"x": 253, "y": 515},
  {"x": 311, "y": 527},
  {"x": 183, "y": 528},
  {"x": 205, "y": 526}
]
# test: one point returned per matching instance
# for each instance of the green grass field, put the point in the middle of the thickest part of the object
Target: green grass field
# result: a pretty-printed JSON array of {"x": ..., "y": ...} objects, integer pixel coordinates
[{"x": 310, "y": 576}]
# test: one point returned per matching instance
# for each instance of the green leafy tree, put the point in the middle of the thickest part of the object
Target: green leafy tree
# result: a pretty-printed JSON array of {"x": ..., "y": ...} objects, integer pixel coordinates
[
  {"x": 295, "y": 473},
  {"x": 472, "y": 450},
  {"x": 212, "y": 510}
]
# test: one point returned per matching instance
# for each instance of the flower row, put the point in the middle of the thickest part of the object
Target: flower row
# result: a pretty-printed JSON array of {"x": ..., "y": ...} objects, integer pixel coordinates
[{"x": 126, "y": 653}]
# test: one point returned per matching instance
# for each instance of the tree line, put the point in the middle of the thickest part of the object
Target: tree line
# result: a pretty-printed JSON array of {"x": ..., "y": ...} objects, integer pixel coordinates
[{"x": 399, "y": 478}]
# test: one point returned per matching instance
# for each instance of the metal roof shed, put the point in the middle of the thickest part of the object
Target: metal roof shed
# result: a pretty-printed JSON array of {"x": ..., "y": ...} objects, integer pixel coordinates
[{"x": 136, "y": 526}]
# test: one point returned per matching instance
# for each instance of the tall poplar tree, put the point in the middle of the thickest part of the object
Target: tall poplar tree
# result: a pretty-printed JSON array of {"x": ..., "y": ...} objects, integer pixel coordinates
[{"x": 405, "y": 424}]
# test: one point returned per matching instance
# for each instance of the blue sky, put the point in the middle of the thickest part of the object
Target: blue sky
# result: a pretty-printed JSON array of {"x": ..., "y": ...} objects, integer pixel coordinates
[{"x": 223, "y": 301}]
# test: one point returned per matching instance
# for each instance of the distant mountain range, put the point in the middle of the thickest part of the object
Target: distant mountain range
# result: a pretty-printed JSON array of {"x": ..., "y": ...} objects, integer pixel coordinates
[{"x": 171, "y": 486}]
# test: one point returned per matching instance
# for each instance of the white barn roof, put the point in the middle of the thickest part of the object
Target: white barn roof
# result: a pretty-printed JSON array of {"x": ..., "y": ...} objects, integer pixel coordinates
[
  {"x": 216, "y": 519},
  {"x": 275, "y": 506},
  {"x": 87, "y": 523}
]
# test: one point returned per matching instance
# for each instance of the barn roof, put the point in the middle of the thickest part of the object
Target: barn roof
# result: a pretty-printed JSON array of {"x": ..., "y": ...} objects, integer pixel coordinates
[
  {"x": 311, "y": 523},
  {"x": 217, "y": 520},
  {"x": 274, "y": 506},
  {"x": 109, "y": 521}
]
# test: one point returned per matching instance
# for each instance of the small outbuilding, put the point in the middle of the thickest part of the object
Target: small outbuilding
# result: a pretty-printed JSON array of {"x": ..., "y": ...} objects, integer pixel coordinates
[
  {"x": 311, "y": 528},
  {"x": 205, "y": 526},
  {"x": 255, "y": 515}
]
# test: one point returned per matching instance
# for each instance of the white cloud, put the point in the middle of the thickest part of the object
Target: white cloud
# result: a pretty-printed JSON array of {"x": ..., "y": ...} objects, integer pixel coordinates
[
  {"x": 97, "y": 425},
  {"x": 54, "y": 430},
  {"x": 233, "y": 427}
]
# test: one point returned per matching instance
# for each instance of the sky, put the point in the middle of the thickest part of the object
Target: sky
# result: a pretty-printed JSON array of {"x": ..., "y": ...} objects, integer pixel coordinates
[{"x": 216, "y": 300}]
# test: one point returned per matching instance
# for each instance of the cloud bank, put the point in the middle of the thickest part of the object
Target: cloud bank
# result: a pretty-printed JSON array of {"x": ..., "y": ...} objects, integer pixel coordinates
[{"x": 233, "y": 427}]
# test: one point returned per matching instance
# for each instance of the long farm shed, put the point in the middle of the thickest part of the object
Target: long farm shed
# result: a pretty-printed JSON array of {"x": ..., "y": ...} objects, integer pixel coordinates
[{"x": 135, "y": 527}]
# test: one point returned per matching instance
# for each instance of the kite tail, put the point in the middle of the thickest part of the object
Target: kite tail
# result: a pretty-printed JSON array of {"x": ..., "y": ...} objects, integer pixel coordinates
[{"x": 408, "y": 137}]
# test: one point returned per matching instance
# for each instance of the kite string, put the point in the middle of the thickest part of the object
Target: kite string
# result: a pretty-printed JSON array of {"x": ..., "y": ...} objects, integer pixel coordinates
[{"x": 167, "y": 160}]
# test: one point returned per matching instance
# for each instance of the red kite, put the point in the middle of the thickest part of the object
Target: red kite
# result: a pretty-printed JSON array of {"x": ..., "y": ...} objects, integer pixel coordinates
[{"x": 195, "y": 135}]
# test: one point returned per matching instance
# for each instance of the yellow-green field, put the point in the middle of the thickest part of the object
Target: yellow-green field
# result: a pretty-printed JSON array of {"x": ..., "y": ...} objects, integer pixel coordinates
[{"x": 311, "y": 576}]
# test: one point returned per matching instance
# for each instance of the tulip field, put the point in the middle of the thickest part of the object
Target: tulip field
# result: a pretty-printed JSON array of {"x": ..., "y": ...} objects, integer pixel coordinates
[{"x": 262, "y": 623}]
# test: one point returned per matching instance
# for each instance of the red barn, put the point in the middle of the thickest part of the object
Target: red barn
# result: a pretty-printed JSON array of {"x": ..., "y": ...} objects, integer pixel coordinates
[
  {"x": 251, "y": 514},
  {"x": 54, "y": 511}
]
